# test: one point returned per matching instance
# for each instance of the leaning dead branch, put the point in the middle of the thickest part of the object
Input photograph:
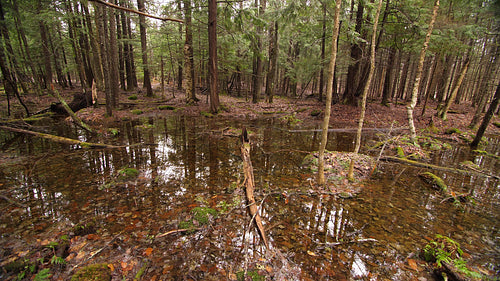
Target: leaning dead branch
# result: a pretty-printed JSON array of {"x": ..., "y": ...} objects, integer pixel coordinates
[
  {"x": 249, "y": 184},
  {"x": 71, "y": 113},
  {"x": 435, "y": 167},
  {"x": 59, "y": 139}
]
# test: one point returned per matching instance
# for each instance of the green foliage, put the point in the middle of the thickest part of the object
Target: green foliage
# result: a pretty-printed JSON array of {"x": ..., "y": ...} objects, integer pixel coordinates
[
  {"x": 202, "y": 214},
  {"x": 446, "y": 250},
  {"x": 43, "y": 275},
  {"x": 55, "y": 260},
  {"x": 136, "y": 111},
  {"x": 400, "y": 152},
  {"x": 114, "y": 131},
  {"x": 132, "y": 97},
  {"x": 128, "y": 173},
  {"x": 290, "y": 119}
]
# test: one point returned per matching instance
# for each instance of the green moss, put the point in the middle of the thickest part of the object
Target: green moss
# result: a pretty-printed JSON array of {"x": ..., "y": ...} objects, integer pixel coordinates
[
  {"x": 253, "y": 274},
  {"x": 315, "y": 112},
  {"x": 128, "y": 173},
  {"x": 437, "y": 181},
  {"x": 451, "y": 131},
  {"x": 290, "y": 119},
  {"x": 399, "y": 152},
  {"x": 95, "y": 272},
  {"x": 496, "y": 124},
  {"x": 201, "y": 214},
  {"x": 114, "y": 131},
  {"x": 301, "y": 110},
  {"x": 166, "y": 107},
  {"x": 136, "y": 111},
  {"x": 206, "y": 114},
  {"x": 132, "y": 97}
]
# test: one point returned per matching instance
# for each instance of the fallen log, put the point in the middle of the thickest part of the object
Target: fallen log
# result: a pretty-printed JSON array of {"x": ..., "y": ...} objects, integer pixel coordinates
[
  {"x": 59, "y": 139},
  {"x": 435, "y": 167},
  {"x": 249, "y": 184},
  {"x": 70, "y": 111},
  {"x": 80, "y": 101}
]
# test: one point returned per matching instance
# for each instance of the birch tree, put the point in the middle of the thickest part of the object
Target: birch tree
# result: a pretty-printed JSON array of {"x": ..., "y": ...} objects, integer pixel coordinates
[
  {"x": 414, "y": 94},
  {"x": 329, "y": 90}
]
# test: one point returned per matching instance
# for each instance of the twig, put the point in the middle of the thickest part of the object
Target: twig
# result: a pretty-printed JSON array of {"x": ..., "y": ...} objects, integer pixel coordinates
[
  {"x": 175, "y": 231},
  {"x": 95, "y": 253},
  {"x": 135, "y": 11},
  {"x": 347, "y": 242},
  {"x": 12, "y": 201}
]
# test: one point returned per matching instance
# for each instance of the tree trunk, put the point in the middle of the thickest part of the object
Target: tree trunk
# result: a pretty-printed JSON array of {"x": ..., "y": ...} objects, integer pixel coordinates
[
  {"x": 45, "y": 51},
  {"x": 365, "y": 90},
  {"x": 257, "y": 60},
  {"x": 212, "y": 55},
  {"x": 329, "y": 90},
  {"x": 113, "y": 59},
  {"x": 486, "y": 119},
  {"x": 323, "y": 43},
  {"x": 410, "y": 108},
  {"x": 386, "y": 92},
  {"x": 9, "y": 79},
  {"x": 454, "y": 92},
  {"x": 188, "y": 56},
  {"x": 101, "y": 23},
  {"x": 273, "y": 61},
  {"x": 144, "y": 49},
  {"x": 354, "y": 70},
  {"x": 179, "y": 63}
]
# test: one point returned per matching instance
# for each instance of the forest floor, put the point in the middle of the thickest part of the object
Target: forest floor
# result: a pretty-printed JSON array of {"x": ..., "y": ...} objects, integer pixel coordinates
[{"x": 304, "y": 112}]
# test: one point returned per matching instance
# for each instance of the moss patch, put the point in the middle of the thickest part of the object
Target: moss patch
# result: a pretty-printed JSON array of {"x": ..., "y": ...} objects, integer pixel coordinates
[
  {"x": 132, "y": 97},
  {"x": 136, "y": 111},
  {"x": 128, "y": 173},
  {"x": 166, "y": 107},
  {"x": 94, "y": 272},
  {"x": 434, "y": 181},
  {"x": 202, "y": 214}
]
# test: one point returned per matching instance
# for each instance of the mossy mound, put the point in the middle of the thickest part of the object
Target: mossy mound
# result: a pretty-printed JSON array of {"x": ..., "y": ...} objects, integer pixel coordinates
[
  {"x": 128, "y": 173},
  {"x": 94, "y": 272},
  {"x": 337, "y": 168}
]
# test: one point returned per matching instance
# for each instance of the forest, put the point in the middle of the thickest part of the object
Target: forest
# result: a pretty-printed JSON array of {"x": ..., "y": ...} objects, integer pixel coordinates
[{"x": 249, "y": 139}]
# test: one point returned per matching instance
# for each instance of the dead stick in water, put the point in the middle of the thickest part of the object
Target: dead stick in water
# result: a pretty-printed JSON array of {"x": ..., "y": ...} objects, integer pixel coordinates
[{"x": 249, "y": 184}]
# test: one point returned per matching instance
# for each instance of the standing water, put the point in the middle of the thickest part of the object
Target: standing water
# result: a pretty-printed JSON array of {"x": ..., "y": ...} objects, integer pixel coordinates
[{"x": 124, "y": 207}]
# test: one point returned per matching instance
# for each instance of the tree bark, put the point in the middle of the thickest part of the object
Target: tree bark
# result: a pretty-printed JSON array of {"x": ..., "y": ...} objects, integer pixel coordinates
[
  {"x": 410, "y": 108},
  {"x": 212, "y": 55},
  {"x": 454, "y": 92},
  {"x": 257, "y": 60},
  {"x": 366, "y": 89},
  {"x": 189, "y": 88},
  {"x": 486, "y": 119},
  {"x": 113, "y": 59},
  {"x": 329, "y": 90},
  {"x": 354, "y": 70},
  {"x": 144, "y": 49},
  {"x": 273, "y": 61}
]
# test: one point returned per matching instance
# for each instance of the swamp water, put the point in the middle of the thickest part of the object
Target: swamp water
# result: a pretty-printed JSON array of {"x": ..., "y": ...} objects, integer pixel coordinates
[{"x": 184, "y": 163}]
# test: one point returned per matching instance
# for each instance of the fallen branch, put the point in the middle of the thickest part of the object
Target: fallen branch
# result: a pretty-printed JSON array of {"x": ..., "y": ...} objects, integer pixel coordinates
[
  {"x": 135, "y": 11},
  {"x": 59, "y": 139},
  {"x": 348, "y": 242},
  {"x": 435, "y": 167},
  {"x": 175, "y": 231},
  {"x": 249, "y": 184}
]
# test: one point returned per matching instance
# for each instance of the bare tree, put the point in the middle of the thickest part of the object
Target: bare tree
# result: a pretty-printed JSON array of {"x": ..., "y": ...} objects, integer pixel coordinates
[
  {"x": 418, "y": 75},
  {"x": 329, "y": 90}
]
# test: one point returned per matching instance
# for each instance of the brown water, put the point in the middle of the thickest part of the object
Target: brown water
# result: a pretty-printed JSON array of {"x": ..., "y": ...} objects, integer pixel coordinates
[{"x": 188, "y": 162}]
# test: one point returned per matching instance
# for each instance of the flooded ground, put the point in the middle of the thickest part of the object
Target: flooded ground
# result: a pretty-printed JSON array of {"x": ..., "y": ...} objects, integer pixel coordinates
[{"x": 88, "y": 198}]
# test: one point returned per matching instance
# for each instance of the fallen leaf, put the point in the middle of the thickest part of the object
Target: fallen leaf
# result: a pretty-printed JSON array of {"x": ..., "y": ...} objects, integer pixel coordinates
[
  {"x": 123, "y": 265},
  {"x": 148, "y": 252},
  {"x": 311, "y": 253},
  {"x": 111, "y": 267},
  {"x": 413, "y": 264}
]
